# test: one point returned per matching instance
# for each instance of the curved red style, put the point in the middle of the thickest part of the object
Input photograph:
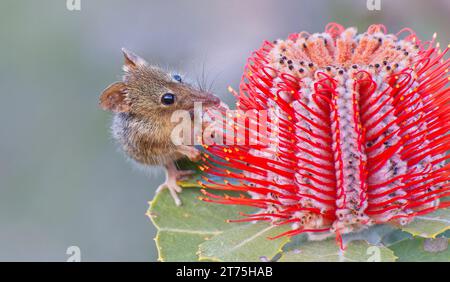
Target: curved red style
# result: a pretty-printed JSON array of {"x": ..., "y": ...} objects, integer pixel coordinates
[{"x": 361, "y": 124}]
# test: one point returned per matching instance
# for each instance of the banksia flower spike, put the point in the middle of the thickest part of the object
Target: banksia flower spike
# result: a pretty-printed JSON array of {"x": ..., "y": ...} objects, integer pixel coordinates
[{"x": 358, "y": 133}]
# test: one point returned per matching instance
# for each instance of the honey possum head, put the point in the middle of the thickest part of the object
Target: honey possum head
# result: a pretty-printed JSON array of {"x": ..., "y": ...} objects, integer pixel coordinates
[{"x": 148, "y": 90}]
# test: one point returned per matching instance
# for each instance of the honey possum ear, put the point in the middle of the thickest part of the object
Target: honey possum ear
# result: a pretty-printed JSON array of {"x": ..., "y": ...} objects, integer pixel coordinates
[
  {"x": 114, "y": 99},
  {"x": 132, "y": 60}
]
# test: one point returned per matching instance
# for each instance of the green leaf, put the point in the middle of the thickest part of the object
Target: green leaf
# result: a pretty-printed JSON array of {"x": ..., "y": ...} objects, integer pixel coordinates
[
  {"x": 170, "y": 247},
  {"x": 429, "y": 225},
  {"x": 395, "y": 237},
  {"x": 329, "y": 251},
  {"x": 381, "y": 234},
  {"x": 413, "y": 250},
  {"x": 373, "y": 235},
  {"x": 245, "y": 243},
  {"x": 182, "y": 229}
]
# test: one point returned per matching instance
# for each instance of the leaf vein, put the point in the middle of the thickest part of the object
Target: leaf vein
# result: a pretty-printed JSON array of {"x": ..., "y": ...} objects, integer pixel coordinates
[
  {"x": 250, "y": 239},
  {"x": 434, "y": 219},
  {"x": 199, "y": 232}
]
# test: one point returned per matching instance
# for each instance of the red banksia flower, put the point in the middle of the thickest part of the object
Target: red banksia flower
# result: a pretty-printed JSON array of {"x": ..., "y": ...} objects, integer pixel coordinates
[{"x": 361, "y": 123}]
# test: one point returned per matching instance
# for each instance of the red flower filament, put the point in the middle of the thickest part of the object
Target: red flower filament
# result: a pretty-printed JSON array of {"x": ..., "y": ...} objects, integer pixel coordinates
[{"x": 362, "y": 124}]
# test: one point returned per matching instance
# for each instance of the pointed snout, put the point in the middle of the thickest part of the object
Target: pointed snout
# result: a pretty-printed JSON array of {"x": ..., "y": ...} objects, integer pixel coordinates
[
  {"x": 214, "y": 100},
  {"x": 208, "y": 99}
]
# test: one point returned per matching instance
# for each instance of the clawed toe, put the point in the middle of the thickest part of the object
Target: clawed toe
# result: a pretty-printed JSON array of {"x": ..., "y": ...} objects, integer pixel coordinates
[
  {"x": 173, "y": 188},
  {"x": 172, "y": 176},
  {"x": 195, "y": 156},
  {"x": 191, "y": 152},
  {"x": 181, "y": 174}
]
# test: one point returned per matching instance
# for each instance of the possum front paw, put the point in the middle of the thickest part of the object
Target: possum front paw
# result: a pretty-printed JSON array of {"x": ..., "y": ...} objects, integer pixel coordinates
[{"x": 191, "y": 152}]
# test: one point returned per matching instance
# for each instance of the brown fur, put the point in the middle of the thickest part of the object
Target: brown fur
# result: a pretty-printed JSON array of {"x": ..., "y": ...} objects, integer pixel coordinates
[
  {"x": 144, "y": 140},
  {"x": 141, "y": 123}
]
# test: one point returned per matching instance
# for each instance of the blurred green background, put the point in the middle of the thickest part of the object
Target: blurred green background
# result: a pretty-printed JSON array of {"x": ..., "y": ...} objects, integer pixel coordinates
[{"x": 62, "y": 180}]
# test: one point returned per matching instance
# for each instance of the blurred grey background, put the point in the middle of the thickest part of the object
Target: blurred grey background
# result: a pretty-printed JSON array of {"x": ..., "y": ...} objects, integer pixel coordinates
[{"x": 62, "y": 181}]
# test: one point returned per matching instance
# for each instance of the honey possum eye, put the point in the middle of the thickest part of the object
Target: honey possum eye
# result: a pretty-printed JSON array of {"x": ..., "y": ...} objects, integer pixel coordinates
[
  {"x": 168, "y": 99},
  {"x": 177, "y": 77}
]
